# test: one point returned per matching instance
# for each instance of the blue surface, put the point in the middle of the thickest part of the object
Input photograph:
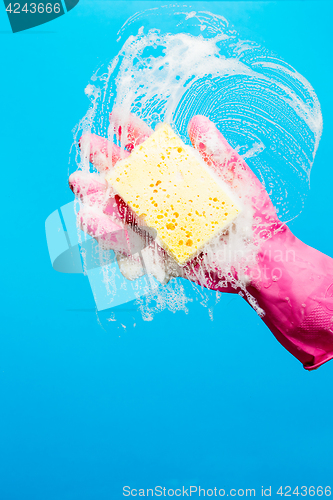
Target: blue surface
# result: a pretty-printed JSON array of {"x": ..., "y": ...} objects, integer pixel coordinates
[
  {"x": 73, "y": 251},
  {"x": 176, "y": 401}
]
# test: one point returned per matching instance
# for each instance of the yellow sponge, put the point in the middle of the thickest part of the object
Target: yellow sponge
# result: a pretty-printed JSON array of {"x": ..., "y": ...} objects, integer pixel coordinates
[{"x": 172, "y": 191}]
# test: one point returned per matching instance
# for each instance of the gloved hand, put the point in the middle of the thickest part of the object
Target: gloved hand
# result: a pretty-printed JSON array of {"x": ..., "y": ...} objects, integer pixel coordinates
[{"x": 290, "y": 284}]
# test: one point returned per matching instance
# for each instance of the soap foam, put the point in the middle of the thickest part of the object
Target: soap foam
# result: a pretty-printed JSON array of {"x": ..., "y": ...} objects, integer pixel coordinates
[{"x": 175, "y": 64}]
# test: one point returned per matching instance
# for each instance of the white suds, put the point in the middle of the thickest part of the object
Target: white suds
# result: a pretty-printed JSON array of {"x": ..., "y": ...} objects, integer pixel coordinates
[{"x": 194, "y": 63}]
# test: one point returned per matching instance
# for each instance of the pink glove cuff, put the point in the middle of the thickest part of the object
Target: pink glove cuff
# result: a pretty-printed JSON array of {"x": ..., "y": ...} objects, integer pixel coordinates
[{"x": 293, "y": 284}]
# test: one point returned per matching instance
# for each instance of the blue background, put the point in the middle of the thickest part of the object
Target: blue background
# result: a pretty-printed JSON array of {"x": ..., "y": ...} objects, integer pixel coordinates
[{"x": 177, "y": 401}]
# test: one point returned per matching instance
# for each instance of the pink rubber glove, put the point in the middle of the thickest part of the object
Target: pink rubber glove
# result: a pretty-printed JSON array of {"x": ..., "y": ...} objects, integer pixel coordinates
[
  {"x": 291, "y": 282},
  {"x": 100, "y": 216}
]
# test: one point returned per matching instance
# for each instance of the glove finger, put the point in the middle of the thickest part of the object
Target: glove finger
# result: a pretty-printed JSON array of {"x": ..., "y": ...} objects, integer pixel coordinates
[
  {"x": 130, "y": 130},
  {"x": 218, "y": 153},
  {"x": 84, "y": 184},
  {"x": 95, "y": 192},
  {"x": 101, "y": 152},
  {"x": 109, "y": 234},
  {"x": 231, "y": 167}
]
